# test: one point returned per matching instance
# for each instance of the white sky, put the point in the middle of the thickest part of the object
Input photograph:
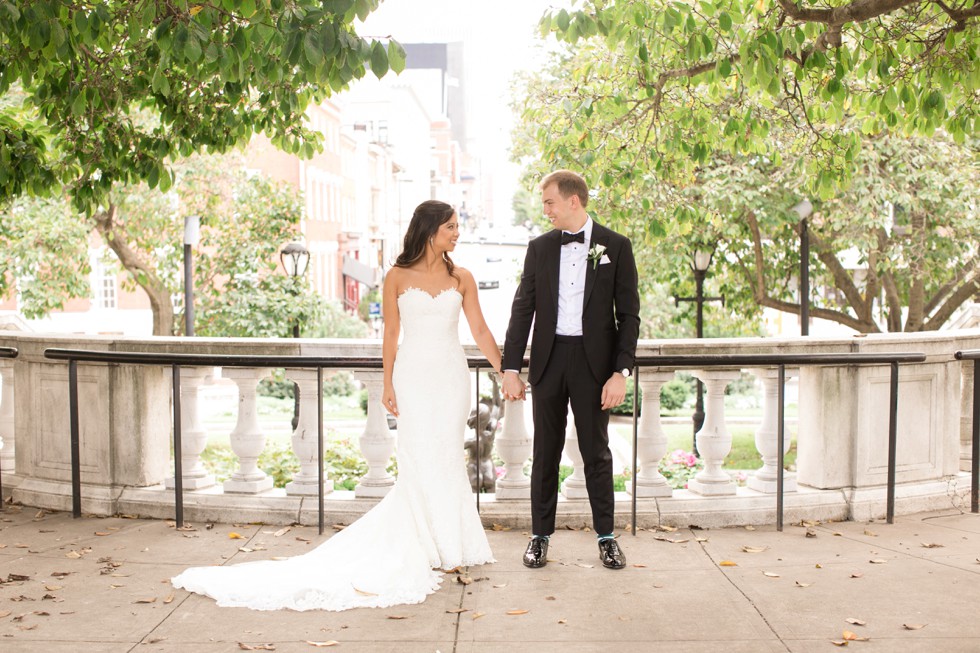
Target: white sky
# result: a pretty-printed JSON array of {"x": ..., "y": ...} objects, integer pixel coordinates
[{"x": 499, "y": 39}]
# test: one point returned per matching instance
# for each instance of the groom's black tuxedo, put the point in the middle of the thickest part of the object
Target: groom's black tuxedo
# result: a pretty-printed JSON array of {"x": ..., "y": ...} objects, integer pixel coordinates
[{"x": 562, "y": 371}]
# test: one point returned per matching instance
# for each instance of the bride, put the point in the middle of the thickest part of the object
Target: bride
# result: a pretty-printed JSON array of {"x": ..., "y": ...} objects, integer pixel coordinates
[{"x": 395, "y": 553}]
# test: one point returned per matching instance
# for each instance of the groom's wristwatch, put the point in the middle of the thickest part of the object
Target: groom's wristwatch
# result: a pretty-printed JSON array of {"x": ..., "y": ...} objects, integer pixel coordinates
[{"x": 626, "y": 372}]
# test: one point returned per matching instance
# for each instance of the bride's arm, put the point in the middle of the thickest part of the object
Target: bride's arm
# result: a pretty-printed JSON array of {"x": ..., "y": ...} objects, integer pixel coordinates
[
  {"x": 474, "y": 317},
  {"x": 389, "y": 343}
]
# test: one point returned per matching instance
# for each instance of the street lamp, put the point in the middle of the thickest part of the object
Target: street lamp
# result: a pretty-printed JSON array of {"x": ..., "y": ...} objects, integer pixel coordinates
[
  {"x": 700, "y": 262},
  {"x": 295, "y": 259},
  {"x": 192, "y": 236},
  {"x": 804, "y": 209}
]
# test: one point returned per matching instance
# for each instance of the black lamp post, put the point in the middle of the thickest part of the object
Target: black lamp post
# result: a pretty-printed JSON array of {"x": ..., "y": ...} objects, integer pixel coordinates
[
  {"x": 192, "y": 235},
  {"x": 804, "y": 209},
  {"x": 700, "y": 262},
  {"x": 295, "y": 259}
]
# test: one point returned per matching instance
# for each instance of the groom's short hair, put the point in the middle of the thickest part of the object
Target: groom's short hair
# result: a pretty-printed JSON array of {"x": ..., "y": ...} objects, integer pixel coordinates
[{"x": 569, "y": 183}]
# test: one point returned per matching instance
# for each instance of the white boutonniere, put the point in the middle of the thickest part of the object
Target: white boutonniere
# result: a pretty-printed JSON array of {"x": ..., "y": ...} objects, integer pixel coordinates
[{"x": 595, "y": 253}]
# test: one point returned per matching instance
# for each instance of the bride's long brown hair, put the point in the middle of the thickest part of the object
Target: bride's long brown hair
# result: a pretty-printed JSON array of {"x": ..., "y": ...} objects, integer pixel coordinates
[{"x": 428, "y": 217}]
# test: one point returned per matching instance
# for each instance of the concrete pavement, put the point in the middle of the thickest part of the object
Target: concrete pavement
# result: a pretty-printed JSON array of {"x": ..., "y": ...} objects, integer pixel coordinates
[{"x": 101, "y": 585}]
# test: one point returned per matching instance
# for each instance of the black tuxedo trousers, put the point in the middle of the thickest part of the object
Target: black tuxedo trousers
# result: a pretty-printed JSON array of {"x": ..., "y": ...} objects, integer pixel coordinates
[{"x": 567, "y": 379}]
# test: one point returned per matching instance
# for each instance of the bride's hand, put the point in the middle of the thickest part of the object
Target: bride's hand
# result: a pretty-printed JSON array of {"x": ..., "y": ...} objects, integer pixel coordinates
[{"x": 389, "y": 402}]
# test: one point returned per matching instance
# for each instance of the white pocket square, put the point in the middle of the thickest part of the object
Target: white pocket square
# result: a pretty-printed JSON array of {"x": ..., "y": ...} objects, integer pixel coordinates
[{"x": 604, "y": 260}]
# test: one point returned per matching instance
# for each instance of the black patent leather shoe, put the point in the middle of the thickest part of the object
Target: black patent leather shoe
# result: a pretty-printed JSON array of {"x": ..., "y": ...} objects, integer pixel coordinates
[
  {"x": 536, "y": 554},
  {"x": 611, "y": 555}
]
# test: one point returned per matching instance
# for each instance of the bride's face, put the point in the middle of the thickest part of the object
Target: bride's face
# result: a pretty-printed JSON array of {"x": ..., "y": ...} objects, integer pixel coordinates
[{"x": 445, "y": 238}]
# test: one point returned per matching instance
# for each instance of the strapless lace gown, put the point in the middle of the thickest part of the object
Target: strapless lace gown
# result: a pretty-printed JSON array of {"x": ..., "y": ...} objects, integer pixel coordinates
[{"x": 428, "y": 521}]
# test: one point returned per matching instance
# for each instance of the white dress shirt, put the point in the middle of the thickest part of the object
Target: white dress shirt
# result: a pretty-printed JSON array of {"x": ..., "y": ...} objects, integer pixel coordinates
[{"x": 571, "y": 284}]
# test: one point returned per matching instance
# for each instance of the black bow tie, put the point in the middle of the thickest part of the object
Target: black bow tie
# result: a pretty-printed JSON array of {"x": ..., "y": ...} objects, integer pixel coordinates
[{"x": 572, "y": 238}]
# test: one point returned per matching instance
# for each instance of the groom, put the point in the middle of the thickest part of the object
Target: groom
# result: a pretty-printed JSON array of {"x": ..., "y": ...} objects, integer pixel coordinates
[{"x": 579, "y": 288}]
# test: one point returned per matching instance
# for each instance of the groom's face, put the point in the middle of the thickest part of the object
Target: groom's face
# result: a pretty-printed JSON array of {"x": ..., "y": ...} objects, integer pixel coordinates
[{"x": 560, "y": 210}]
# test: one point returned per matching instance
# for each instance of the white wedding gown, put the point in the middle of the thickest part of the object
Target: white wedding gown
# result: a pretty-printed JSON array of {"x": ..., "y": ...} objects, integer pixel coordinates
[{"x": 428, "y": 521}]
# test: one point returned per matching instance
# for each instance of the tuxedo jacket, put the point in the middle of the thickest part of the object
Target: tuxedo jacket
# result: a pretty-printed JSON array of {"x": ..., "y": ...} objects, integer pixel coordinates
[{"x": 610, "y": 311}]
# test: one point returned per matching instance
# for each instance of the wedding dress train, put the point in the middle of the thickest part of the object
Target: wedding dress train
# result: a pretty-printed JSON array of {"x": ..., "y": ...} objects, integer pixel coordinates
[{"x": 428, "y": 521}]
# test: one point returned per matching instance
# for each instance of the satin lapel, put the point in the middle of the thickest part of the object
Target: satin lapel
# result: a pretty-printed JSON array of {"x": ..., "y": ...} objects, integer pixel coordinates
[
  {"x": 553, "y": 266},
  {"x": 592, "y": 267}
]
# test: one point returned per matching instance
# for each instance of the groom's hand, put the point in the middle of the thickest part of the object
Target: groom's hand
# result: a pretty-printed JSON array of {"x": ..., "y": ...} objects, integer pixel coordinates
[
  {"x": 614, "y": 391},
  {"x": 513, "y": 387}
]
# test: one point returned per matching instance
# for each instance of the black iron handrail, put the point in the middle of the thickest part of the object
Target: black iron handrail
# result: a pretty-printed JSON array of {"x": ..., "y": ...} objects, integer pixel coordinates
[
  {"x": 5, "y": 352},
  {"x": 693, "y": 361},
  {"x": 974, "y": 355},
  {"x": 178, "y": 360},
  {"x": 781, "y": 362}
]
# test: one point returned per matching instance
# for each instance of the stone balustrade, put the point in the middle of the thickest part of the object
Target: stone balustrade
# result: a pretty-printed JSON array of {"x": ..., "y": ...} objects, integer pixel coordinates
[{"x": 127, "y": 467}]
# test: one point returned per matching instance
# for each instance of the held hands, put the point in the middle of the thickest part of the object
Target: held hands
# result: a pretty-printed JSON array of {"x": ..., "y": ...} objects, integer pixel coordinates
[
  {"x": 614, "y": 391},
  {"x": 513, "y": 388},
  {"x": 388, "y": 400}
]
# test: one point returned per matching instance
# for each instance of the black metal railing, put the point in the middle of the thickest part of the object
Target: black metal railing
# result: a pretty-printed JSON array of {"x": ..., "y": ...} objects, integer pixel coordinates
[
  {"x": 5, "y": 352},
  {"x": 176, "y": 361},
  {"x": 732, "y": 361},
  {"x": 781, "y": 362},
  {"x": 974, "y": 355}
]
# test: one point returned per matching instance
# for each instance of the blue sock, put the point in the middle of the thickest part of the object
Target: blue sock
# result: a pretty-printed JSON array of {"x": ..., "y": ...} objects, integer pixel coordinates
[{"x": 605, "y": 537}]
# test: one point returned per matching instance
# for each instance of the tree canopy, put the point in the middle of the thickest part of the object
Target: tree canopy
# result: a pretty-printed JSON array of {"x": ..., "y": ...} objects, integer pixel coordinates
[
  {"x": 703, "y": 123},
  {"x": 659, "y": 87},
  {"x": 113, "y": 90}
]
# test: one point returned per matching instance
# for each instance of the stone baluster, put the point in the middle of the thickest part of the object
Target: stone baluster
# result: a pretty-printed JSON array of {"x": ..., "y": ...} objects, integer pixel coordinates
[
  {"x": 7, "y": 417},
  {"x": 305, "y": 435},
  {"x": 574, "y": 486},
  {"x": 247, "y": 439},
  {"x": 193, "y": 436},
  {"x": 766, "y": 437},
  {"x": 966, "y": 415},
  {"x": 377, "y": 442},
  {"x": 651, "y": 440},
  {"x": 714, "y": 439},
  {"x": 514, "y": 448}
]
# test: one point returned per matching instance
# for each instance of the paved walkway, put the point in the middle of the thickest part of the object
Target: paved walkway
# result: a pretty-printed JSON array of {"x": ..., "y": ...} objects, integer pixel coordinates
[{"x": 95, "y": 584}]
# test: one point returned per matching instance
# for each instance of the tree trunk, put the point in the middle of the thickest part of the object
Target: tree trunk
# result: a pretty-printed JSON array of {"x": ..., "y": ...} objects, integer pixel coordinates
[{"x": 142, "y": 271}]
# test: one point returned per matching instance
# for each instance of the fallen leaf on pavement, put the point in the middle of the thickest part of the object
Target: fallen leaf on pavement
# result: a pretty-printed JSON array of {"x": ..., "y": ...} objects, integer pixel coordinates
[
  {"x": 770, "y": 574},
  {"x": 4, "y": 613},
  {"x": 856, "y": 622},
  {"x": 727, "y": 563},
  {"x": 169, "y": 599},
  {"x": 799, "y": 584},
  {"x": 877, "y": 561},
  {"x": 457, "y": 611},
  {"x": 500, "y": 527},
  {"x": 818, "y": 566},
  {"x": 517, "y": 612},
  {"x": 931, "y": 545},
  {"x": 563, "y": 621},
  {"x": 754, "y": 549},
  {"x": 331, "y": 642},
  {"x": 256, "y": 647},
  {"x": 236, "y": 536},
  {"x": 74, "y": 555},
  {"x": 397, "y": 617},
  {"x": 583, "y": 565},
  {"x": 913, "y": 626},
  {"x": 52, "y": 588},
  {"x": 282, "y": 531},
  {"x": 31, "y": 627},
  {"x": 811, "y": 533},
  {"x": 837, "y": 642},
  {"x": 477, "y": 615},
  {"x": 640, "y": 566},
  {"x": 856, "y": 574},
  {"x": 870, "y": 533},
  {"x": 152, "y": 600},
  {"x": 302, "y": 539},
  {"x": 853, "y": 637},
  {"x": 500, "y": 586},
  {"x": 464, "y": 580},
  {"x": 101, "y": 534}
]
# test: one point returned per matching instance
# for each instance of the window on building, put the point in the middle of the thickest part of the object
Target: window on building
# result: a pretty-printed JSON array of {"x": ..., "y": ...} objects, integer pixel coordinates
[{"x": 104, "y": 283}]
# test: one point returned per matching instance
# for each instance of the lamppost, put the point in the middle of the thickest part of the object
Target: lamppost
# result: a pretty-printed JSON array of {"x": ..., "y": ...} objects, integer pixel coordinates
[
  {"x": 804, "y": 209},
  {"x": 701, "y": 261},
  {"x": 295, "y": 259},
  {"x": 192, "y": 235}
]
